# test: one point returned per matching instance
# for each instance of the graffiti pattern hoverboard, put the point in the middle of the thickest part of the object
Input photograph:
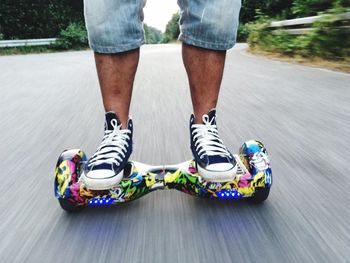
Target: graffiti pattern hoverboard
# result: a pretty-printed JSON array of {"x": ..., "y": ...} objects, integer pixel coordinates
[{"x": 252, "y": 181}]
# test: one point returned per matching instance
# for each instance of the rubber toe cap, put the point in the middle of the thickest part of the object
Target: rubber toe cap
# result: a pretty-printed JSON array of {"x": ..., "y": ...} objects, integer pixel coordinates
[
  {"x": 219, "y": 167},
  {"x": 100, "y": 174}
]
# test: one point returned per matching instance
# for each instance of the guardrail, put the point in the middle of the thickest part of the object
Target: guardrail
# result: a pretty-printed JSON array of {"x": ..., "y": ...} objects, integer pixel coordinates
[
  {"x": 300, "y": 24},
  {"x": 27, "y": 42}
]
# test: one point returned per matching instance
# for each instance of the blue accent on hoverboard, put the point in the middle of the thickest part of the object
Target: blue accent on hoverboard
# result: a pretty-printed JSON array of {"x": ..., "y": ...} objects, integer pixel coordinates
[
  {"x": 100, "y": 201},
  {"x": 268, "y": 178},
  {"x": 229, "y": 194}
]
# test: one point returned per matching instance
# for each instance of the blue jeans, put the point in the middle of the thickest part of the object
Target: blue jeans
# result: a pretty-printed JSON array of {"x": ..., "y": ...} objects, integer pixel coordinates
[{"x": 116, "y": 25}]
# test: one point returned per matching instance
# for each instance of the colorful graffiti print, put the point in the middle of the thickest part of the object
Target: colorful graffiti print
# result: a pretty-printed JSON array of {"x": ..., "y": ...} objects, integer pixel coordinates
[{"x": 253, "y": 159}]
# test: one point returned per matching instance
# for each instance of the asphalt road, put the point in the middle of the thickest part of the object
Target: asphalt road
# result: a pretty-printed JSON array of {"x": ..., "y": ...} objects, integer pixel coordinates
[{"x": 51, "y": 102}]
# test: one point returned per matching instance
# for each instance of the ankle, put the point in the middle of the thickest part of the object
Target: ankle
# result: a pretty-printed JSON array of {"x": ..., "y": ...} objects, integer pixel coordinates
[
  {"x": 124, "y": 124},
  {"x": 199, "y": 113},
  {"x": 123, "y": 117}
]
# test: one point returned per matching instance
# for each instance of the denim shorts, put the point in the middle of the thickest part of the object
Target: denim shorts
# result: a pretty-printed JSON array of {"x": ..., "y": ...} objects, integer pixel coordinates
[{"x": 116, "y": 25}]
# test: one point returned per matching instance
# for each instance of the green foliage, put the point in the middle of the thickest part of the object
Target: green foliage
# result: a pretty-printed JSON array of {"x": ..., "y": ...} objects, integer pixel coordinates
[
  {"x": 243, "y": 32},
  {"x": 259, "y": 34},
  {"x": 152, "y": 35},
  {"x": 303, "y": 8},
  {"x": 273, "y": 8},
  {"x": 23, "y": 19},
  {"x": 285, "y": 9},
  {"x": 25, "y": 50},
  {"x": 172, "y": 29},
  {"x": 326, "y": 40},
  {"x": 73, "y": 37}
]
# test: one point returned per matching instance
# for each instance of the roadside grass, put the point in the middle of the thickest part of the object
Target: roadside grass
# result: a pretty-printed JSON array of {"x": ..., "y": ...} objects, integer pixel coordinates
[
  {"x": 6, "y": 51},
  {"x": 24, "y": 50},
  {"x": 342, "y": 65}
]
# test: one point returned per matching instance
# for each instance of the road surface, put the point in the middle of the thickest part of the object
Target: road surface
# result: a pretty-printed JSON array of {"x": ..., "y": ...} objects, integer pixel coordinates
[{"x": 51, "y": 102}]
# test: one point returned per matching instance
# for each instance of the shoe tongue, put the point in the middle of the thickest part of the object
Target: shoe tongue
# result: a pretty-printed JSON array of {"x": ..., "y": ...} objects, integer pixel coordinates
[
  {"x": 110, "y": 116},
  {"x": 212, "y": 116}
]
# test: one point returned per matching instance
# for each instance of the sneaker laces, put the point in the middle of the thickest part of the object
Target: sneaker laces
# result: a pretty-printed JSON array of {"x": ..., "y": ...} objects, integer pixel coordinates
[
  {"x": 208, "y": 139},
  {"x": 114, "y": 141}
]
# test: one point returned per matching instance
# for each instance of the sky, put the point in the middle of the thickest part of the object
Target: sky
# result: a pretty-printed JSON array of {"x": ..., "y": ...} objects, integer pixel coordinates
[{"x": 159, "y": 12}]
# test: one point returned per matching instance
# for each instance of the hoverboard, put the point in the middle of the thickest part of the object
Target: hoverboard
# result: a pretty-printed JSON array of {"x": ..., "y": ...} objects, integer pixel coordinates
[{"x": 253, "y": 180}]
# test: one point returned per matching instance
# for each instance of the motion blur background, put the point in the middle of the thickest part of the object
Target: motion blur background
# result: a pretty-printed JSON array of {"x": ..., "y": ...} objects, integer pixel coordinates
[{"x": 325, "y": 37}]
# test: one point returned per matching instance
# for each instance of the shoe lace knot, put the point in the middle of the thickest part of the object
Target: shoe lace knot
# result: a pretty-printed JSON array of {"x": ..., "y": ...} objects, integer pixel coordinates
[
  {"x": 113, "y": 147},
  {"x": 206, "y": 138}
]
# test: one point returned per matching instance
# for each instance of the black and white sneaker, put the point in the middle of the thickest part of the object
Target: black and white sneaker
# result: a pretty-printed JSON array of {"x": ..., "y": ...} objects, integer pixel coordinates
[
  {"x": 104, "y": 169},
  {"x": 214, "y": 161}
]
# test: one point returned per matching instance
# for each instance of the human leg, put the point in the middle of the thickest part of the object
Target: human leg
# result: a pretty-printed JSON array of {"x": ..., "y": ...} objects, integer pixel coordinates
[
  {"x": 116, "y": 74},
  {"x": 208, "y": 29},
  {"x": 204, "y": 68},
  {"x": 115, "y": 34}
]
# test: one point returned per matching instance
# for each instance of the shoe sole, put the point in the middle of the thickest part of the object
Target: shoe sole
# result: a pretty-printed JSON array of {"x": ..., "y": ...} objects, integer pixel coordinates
[
  {"x": 102, "y": 184},
  {"x": 219, "y": 177}
]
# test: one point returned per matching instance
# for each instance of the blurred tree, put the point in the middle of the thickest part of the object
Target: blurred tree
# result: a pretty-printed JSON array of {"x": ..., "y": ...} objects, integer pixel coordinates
[
  {"x": 72, "y": 37},
  {"x": 302, "y": 8},
  {"x": 273, "y": 8},
  {"x": 46, "y": 18},
  {"x": 172, "y": 29},
  {"x": 38, "y": 18},
  {"x": 152, "y": 35},
  {"x": 282, "y": 9}
]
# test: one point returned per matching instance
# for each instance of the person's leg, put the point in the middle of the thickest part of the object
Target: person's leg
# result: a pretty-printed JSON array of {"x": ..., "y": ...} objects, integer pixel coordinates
[
  {"x": 204, "y": 68},
  {"x": 115, "y": 34},
  {"x": 116, "y": 74},
  {"x": 208, "y": 29}
]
